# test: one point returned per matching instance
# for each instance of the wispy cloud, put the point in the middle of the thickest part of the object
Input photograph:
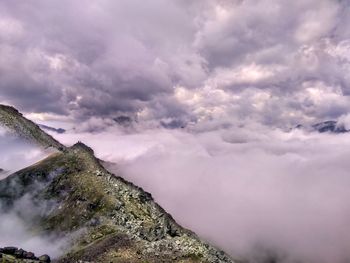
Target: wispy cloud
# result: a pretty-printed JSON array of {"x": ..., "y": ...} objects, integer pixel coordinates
[{"x": 17, "y": 154}]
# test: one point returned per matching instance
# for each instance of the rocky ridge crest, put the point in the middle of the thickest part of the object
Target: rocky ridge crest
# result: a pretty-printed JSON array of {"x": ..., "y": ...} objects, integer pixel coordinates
[{"x": 108, "y": 218}]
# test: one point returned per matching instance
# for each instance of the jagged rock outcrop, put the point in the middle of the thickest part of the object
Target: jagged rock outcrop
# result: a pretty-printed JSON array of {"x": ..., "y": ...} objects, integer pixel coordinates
[
  {"x": 108, "y": 218},
  {"x": 17, "y": 255}
]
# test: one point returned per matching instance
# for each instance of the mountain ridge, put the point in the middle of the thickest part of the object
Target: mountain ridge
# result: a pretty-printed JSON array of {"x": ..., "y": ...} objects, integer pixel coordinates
[
  {"x": 15, "y": 122},
  {"x": 117, "y": 220}
]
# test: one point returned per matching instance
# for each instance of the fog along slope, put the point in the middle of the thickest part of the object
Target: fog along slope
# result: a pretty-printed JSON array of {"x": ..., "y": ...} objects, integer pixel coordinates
[{"x": 106, "y": 219}]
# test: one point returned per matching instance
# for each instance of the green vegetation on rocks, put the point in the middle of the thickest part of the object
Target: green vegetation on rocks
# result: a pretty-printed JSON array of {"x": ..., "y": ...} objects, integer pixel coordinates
[{"x": 107, "y": 218}]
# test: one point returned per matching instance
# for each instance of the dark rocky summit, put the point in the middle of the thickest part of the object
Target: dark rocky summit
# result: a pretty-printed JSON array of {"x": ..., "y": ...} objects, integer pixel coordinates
[{"x": 106, "y": 218}]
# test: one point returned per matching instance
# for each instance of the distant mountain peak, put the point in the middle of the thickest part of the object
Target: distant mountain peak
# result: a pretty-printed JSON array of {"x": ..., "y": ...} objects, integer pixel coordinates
[
  {"x": 329, "y": 126},
  {"x": 48, "y": 128}
]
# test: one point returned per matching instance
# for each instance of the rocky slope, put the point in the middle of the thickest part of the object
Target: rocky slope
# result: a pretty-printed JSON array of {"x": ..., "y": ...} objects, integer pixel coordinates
[
  {"x": 13, "y": 254},
  {"x": 14, "y": 121},
  {"x": 106, "y": 218}
]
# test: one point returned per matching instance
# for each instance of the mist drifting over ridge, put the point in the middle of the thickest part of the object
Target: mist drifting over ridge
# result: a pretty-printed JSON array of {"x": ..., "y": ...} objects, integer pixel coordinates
[
  {"x": 18, "y": 153},
  {"x": 251, "y": 191},
  {"x": 16, "y": 223}
]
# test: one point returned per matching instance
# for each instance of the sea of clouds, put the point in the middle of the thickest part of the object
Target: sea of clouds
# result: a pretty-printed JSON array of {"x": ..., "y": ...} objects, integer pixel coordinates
[{"x": 252, "y": 191}]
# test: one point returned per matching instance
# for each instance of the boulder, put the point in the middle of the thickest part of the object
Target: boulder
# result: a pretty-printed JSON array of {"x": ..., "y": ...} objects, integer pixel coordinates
[{"x": 45, "y": 259}]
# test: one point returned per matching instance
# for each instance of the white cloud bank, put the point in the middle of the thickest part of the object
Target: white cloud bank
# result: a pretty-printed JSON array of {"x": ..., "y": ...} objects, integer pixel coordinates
[{"x": 244, "y": 189}]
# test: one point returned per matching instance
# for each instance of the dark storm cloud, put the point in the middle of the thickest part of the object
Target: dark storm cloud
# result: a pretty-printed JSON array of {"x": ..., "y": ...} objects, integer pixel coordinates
[
  {"x": 97, "y": 57},
  {"x": 233, "y": 58},
  {"x": 288, "y": 50}
]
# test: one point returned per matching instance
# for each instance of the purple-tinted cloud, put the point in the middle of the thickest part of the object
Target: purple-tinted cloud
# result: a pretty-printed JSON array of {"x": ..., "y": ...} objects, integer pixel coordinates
[{"x": 106, "y": 58}]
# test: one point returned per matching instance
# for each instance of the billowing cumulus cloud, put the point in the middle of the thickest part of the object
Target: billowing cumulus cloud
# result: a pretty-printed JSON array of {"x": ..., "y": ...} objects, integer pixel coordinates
[
  {"x": 96, "y": 58},
  {"x": 232, "y": 59}
]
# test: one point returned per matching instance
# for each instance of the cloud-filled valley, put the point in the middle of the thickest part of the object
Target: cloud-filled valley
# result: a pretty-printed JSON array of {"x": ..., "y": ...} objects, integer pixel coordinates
[{"x": 250, "y": 191}]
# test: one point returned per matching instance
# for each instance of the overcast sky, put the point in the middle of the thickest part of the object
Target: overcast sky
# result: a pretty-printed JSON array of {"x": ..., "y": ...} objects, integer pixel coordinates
[{"x": 270, "y": 61}]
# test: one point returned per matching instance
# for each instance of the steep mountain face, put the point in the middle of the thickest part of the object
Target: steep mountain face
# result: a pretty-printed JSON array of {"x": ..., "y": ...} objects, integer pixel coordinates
[
  {"x": 14, "y": 121},
  {"x": 103, "y": 217}
]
